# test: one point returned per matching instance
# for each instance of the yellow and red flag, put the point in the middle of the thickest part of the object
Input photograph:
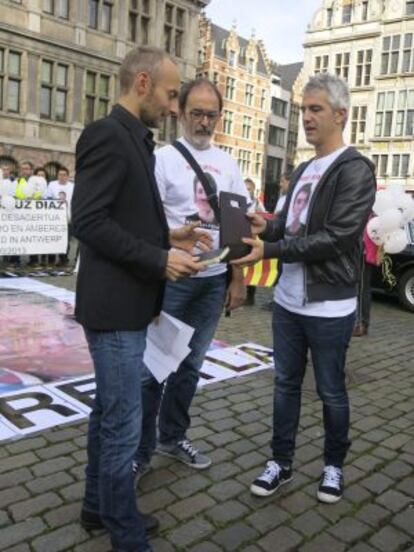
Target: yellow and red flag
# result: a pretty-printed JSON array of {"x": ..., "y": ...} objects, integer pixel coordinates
[{"x": 261, "y": 274}]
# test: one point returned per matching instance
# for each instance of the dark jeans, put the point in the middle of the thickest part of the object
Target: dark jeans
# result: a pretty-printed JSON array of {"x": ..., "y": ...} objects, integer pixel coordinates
[
  {"x": 198, "y": 302},
  {"x": 327, "y": 339},
  {"x": 364, "y": 294},
  {"x": 114, "y": 434}
]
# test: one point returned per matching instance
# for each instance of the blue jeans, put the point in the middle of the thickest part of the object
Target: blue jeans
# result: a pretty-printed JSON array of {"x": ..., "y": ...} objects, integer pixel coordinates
[
  {"x": 198, "y": 302},
  {"x": 328, "y": 340},
  {"x": 114, "y": 434}
]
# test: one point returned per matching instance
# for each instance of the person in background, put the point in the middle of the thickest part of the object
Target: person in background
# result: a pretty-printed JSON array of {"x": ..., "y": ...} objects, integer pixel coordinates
[
  {"x": 256, "y": 206},
  {"x": 55, "y": 190},
  {"x": 283, "y": 189},
  {"x": 7, "y": 184},
  {"x": 41, "y": 171}
]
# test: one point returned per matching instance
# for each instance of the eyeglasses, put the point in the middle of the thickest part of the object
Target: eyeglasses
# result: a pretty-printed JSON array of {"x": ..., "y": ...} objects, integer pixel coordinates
[{"x": 199, "y": 114}]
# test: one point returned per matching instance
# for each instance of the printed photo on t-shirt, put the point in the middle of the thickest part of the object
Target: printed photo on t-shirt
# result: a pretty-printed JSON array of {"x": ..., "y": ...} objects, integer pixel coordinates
[
  {"x": 204, "y": 204},
  {"x": 296, "y": 220}
]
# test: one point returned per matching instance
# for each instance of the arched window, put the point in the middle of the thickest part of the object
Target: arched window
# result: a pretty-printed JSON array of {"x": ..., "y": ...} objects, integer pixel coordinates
[{"x": 52, "y": 169}]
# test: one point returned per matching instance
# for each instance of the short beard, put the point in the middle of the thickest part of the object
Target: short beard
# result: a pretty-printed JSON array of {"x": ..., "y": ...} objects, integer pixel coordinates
[{"x": 200, "y": 142}]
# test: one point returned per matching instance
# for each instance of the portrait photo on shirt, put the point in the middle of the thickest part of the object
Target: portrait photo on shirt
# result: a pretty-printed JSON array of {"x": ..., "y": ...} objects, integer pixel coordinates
[
  {"x": 203, "y": 203},
  {"x": 296, "y": 221}
]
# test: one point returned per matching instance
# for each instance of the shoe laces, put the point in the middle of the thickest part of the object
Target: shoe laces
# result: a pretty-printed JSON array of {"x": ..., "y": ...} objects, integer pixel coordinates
[
  {"x": 188, "y": 448},
  {"x": 272, "y": 470},
  {"x": 332, "y": 477}
]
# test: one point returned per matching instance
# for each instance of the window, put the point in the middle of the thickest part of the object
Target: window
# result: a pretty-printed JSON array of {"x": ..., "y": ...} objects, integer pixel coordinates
[
  {"x": 404, "y": 125},
  {"x": 260, "y": 131},
  {"x": 279, "y": 107},
  {"x": 230, "y": 88},
  {"x": 97, "y": 97},
  {"x": 244, "y": 161},
  {"x": 226, "y": 149},
  {"x": 174, "y": 27},
  {"x": 381, "y": 164},
  {"x": 59, "y": 8},
  {"x": 247, "y": 127},
  {"x": 409, "y": 7},
  {"x": 277, "y": 136},
  {"x": 363, "y": 68},
  {"x": 273, "y": 172},
  {"x": 10, "y": 80},
  {"x": 408, "y": 54},
  {"x": 358, "y": 124},
  {"x": 232, "y": 58},
  {"x": 384, "y": 115},
  {"x": 139, "y": 21},
  {"x": 258, "y": 164},
  {"x": 329, "y": 14},
  {"x": 292, "y": 142},
  {"x": 346, "y": 14},
  {"x": 400, "y": 165},
  {"x": 364, "y": 14},
  {"x": 53, "y": 91},
  {"x": 250, "y": 65},
  {"x": 263, "y": 99},
  {"x": 228, "y": 122},
  {"x": 248, "y": 96},
  {"x": 342, "y": 65},
  {"x": 100, "y": 15},
  {"x": 215, "y": 78},
  {"x": 390, "y": 54},
  {"x": 321, "y": 64}
]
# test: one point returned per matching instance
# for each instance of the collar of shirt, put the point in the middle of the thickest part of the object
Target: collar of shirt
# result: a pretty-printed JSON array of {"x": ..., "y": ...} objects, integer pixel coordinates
[{"x": 144, "y": 133}]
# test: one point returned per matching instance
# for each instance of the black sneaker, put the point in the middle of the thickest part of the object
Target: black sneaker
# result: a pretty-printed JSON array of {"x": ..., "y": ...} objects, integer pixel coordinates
[
  {"x": 91, "y": 521},
  {"x": 331, "y": 486},
  {"x": 271, "y": 479},
  {"x": 139, "y": 470}
]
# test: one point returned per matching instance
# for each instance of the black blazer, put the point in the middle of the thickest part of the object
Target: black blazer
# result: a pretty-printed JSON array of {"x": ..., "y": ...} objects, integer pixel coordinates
[{"x": 118, "y": 217}]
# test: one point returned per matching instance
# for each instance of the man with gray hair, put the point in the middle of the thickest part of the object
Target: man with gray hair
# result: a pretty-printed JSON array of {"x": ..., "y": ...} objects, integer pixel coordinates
[
  {"x": 317, "y": 238},
  {"x": 125, "y": 259}
]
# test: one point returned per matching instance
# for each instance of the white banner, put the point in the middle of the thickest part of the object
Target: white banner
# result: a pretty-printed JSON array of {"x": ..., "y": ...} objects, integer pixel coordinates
[{"x": 34, "y": 227}]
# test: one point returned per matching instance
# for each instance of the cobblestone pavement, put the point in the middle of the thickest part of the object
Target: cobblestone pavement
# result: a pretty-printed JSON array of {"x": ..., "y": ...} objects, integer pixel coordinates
[{"x": 41, "y": 478}]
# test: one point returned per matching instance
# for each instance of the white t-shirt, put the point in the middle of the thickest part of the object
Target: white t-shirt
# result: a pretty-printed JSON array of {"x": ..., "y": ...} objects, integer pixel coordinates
[
  {"x": 55, "y": 188},
  {"x": 183, "y": 195},
  {"x": 7, "y": 187},
  {"x": 290, "y": 290},
  {"x": 280, "y": 203}
]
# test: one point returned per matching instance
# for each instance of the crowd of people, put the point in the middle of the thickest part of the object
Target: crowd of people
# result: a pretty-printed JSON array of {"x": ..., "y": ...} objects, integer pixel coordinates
[
  {"x": 32, "y": 182},
  {"x": 142, "y": 218}
]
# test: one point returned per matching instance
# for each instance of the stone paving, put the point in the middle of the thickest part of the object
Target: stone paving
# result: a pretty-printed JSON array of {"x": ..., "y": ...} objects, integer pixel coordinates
[{"x": 41, "y": 478}]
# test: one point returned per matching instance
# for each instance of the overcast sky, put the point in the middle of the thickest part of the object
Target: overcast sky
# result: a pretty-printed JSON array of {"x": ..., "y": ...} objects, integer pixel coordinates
[{"x": 281, "y": 24}]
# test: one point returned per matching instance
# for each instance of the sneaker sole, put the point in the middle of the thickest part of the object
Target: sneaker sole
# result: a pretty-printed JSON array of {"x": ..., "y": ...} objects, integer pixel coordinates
[
  {"x": 259, "y": 491},
  {"x": 327, "y": 498},
  {"x": 189, "y": 464}
]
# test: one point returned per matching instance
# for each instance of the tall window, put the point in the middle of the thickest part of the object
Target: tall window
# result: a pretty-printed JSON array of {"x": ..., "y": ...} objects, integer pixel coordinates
[
  {"x": 400, "y": 165},
  {"x": 390, "y": 54},
  {"x": 342, "y": 65},
  {"x": 384, "y": 115},
  {"x": 260, "y": 131},
  {"x": 215, "y": 78},
  {"x": 227, "y": 122},
  {"x": 59, "y": 8},
  {"x": 263, "y": 97},
  {"x": 408, "y": 54},
  {"x": 230, "y": 88},
  {"x": 258, "y": 164},
  {"x": 248, "y": 96},
  {"x": 409, "y": 7},
  {"x": 245, "y": 161},
  {"x": 363, "y": 68},
  {"x": 279, "y": 107},
  {"x": 346, "y": 14},
  {"x": 404, "y": 125},
  {"x": 329, "y": 17},
  {"x": 100, "y": 15},
  {"x": 97, "y": 97},
  {"x": 10, "y": 80},
  {"x": 232, "y": 58},
  {"x": 358, "y": 124},
  {"x": 174, "y": 27},
  {"x": 364, "y": 14},
  {"x": 381, "y": 164},
  {"x": 54, "y": 91},
  {"x": 273, "y": 172},
  {"x": 139, "y": 21},
  {"x": 277, "y": 136},
  {"x": 247, "y": 127},
  {"x": 321, "y": 64},
  {"x": 250, "y": 65}
]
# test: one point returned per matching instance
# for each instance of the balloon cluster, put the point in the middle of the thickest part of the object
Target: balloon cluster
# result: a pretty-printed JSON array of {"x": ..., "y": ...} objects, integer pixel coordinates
[{"x": 394, "y": 208}]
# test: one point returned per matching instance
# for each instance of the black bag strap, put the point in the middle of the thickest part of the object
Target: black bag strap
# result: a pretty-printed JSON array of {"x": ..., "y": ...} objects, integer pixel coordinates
[{"x": 208, "y": 189}]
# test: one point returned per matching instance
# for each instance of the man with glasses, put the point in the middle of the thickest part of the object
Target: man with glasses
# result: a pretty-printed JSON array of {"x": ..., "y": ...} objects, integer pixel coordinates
[{"x": 199, "y": 300}]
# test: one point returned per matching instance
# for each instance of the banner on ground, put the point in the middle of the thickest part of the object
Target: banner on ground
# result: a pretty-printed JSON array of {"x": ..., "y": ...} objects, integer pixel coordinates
[
  {"x": 33, "y": 227},
  {"x": 46, "y": 375}
]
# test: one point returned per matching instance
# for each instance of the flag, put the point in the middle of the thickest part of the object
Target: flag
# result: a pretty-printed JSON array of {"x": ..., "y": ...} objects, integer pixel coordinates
[{"x": 261, "y": 274}]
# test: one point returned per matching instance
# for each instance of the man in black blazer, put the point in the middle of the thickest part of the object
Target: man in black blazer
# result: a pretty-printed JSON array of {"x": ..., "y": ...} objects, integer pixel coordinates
[{"x": 125, "y": 258}]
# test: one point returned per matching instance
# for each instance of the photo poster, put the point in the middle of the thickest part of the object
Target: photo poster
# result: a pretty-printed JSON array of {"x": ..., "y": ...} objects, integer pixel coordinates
[{"x": 46, "y": 373}]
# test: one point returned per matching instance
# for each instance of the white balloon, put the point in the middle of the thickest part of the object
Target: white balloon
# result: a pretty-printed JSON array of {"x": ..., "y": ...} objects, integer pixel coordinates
[
  {"x": 390, "y": 220},
  {"x": 8, "y": 202},
  {"x": 383, "y": 201},
  {"x": 373, "y": 230},
  {"x": 396, "y": 190},
  {"x": 395, "y": 241}
]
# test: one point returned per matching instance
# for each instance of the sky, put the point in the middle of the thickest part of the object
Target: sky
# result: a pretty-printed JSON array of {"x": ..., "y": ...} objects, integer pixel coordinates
[{"x": 281, "y": 24}]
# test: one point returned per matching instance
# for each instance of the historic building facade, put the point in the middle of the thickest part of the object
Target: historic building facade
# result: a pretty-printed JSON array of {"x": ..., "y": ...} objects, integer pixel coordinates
[
  {"x": 59, "y": 61},
  {"x": 242, "y": 72},
  {"x": 370, "y": 43}
]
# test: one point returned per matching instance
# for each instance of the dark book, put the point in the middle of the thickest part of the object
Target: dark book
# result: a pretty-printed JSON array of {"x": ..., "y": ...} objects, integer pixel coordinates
[{"x": 234, "y": 225}]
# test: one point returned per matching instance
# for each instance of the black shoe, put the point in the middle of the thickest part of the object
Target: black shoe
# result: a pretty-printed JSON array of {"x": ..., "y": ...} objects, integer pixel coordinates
[
  {"x": 91, "y": 521},
  {"x": 271, "y": 479},
  {"x": 331, "y": 486}
]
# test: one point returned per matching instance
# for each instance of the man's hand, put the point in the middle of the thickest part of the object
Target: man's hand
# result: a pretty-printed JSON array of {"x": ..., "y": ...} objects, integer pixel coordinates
[
  {"x": 257, "y": 223},
  {"x": 189, "y": 236},
  {"x": 180, "y": 264},
  {"x": 236, "y": 292},
  {"x": 255, "y": 255}
]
